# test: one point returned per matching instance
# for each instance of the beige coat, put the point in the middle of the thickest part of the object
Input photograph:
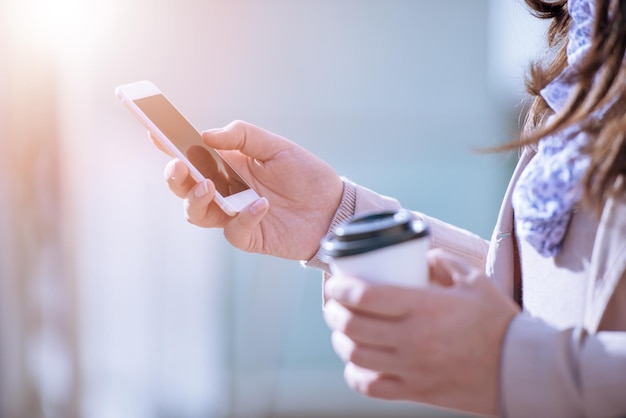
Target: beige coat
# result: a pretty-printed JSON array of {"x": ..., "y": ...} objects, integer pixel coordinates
[
  {"x": 546, "y": 371},
  {"x": 574, "y": 372}
]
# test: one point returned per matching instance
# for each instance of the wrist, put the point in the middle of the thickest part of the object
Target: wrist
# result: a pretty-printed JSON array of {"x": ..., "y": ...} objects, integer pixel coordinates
[{"x": 344, "y": 211}]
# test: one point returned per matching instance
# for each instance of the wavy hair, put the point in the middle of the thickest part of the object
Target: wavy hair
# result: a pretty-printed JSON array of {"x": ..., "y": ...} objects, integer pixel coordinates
[{"x": 600, "y": 83}]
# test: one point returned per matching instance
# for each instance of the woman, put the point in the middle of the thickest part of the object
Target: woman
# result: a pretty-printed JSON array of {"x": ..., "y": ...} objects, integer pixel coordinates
[{"x": 532, "y": 323}]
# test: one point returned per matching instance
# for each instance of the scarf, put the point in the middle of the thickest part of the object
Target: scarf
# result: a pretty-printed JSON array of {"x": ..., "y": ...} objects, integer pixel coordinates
[{"x": 549, "y": 189}]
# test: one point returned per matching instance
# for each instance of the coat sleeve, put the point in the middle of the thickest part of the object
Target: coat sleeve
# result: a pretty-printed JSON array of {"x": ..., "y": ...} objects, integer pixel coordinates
[
  {"x": 358, "y": 200},
  {"x": 548, "y": 372},
  {"x": 461, "y": 242}
]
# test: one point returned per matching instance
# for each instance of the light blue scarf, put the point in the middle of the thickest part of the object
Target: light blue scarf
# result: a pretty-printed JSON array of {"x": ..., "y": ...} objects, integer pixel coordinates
[{"x": 549, "y": 188}]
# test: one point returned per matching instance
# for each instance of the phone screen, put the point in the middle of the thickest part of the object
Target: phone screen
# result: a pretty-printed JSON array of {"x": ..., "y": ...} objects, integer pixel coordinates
[{"x": 189, "y": 142}]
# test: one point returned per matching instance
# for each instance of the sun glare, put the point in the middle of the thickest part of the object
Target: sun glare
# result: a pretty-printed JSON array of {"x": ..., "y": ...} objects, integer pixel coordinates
[{"x": 55, "y": 25}]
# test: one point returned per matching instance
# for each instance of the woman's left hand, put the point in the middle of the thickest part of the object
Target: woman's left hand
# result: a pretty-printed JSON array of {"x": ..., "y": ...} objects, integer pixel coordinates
[{"x": 439, "y": 345}]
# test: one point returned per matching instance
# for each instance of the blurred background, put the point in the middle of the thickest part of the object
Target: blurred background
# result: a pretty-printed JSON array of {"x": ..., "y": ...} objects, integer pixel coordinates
[{"x": 111, "y": 305}]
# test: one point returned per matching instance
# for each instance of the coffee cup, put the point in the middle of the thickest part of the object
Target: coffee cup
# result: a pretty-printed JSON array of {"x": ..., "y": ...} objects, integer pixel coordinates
[{"x": 383, "y": 247}]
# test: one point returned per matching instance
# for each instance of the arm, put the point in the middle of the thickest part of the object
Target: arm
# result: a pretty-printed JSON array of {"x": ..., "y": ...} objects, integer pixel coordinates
[
  {"x": 357, "y": 200},
  {"x": 300, "y": 193},
  {"x": 464, "y": 244},
  {"x": 562, "y": 373}
]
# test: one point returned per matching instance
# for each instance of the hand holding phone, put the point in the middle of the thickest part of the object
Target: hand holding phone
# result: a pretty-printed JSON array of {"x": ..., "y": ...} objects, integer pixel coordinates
[
  {"x": 304, "y": 191},
  {"x": 176, "y": 135}
]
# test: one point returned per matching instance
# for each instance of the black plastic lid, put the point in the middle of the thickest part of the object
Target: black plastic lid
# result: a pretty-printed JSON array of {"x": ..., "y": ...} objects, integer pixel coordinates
[{"x": 372, "y": 231}]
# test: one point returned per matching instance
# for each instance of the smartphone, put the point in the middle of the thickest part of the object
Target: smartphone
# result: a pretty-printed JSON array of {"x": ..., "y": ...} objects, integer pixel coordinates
[{"x": 174, "y": 132}]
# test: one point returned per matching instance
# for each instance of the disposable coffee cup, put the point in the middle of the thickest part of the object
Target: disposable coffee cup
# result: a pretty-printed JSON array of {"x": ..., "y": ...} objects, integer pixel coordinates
[{"x": 383, "y": 247}]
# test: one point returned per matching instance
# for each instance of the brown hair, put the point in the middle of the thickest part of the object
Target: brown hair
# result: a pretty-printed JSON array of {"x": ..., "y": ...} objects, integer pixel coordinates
[{"x": 600, "y": 83}]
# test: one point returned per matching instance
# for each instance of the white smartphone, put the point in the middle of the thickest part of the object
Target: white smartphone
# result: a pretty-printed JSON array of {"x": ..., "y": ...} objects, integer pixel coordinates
[{"x": 174, "y": 132}]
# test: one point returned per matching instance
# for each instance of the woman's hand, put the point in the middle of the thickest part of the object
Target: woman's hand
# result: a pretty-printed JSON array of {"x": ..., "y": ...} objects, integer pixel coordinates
[
  {"x": 439, "y": 345},
  {"x": 299, "y": 193}
]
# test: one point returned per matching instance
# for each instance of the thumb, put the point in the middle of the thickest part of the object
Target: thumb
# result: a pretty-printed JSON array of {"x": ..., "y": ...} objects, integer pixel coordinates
[
  {"x": 251, "y": 140},
  {"x": 239, "y": 231},
  {"x": 447, "y": 269}
]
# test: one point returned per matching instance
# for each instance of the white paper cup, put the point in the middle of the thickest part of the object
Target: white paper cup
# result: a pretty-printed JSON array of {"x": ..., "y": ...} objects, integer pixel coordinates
[{"x": 384, "y": 247}]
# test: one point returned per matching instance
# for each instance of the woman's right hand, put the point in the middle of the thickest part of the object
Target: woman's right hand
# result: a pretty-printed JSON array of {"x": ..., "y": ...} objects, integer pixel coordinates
[{"x": 299, "y": 193}]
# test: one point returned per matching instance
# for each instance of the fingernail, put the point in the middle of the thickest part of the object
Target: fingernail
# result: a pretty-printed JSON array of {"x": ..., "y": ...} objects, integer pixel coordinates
[
  {"x": 169, "y": 171},
  {"x": 259, "y": 206},
  {"x": 329, "y": 287},
  {"x": 212, "y": 131},
  {"x": 201, "y": 189}
]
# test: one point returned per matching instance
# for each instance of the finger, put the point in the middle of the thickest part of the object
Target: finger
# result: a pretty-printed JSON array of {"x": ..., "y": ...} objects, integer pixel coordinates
[
  {"x": 344, "y": 347},
  {"x": 158, "y": 144},
  {"x": 374, "y": 299},
  {"x": 251, "y": 140},
  {"x": 372, "y": 383},
  {"x": 363, "y": 355},
  {"x": 374, "y": 332},
  {"x": 448, "y": 269},
  {"x": 200, "y": 209},
  {"x": 438, "y": 273},
  {"x": 177, "y": 177},
  {"x": 241, "y": 230}
]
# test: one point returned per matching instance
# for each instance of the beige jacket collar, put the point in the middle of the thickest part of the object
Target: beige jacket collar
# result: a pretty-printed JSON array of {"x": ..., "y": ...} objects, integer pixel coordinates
[{"x": 608, "y": 260}]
